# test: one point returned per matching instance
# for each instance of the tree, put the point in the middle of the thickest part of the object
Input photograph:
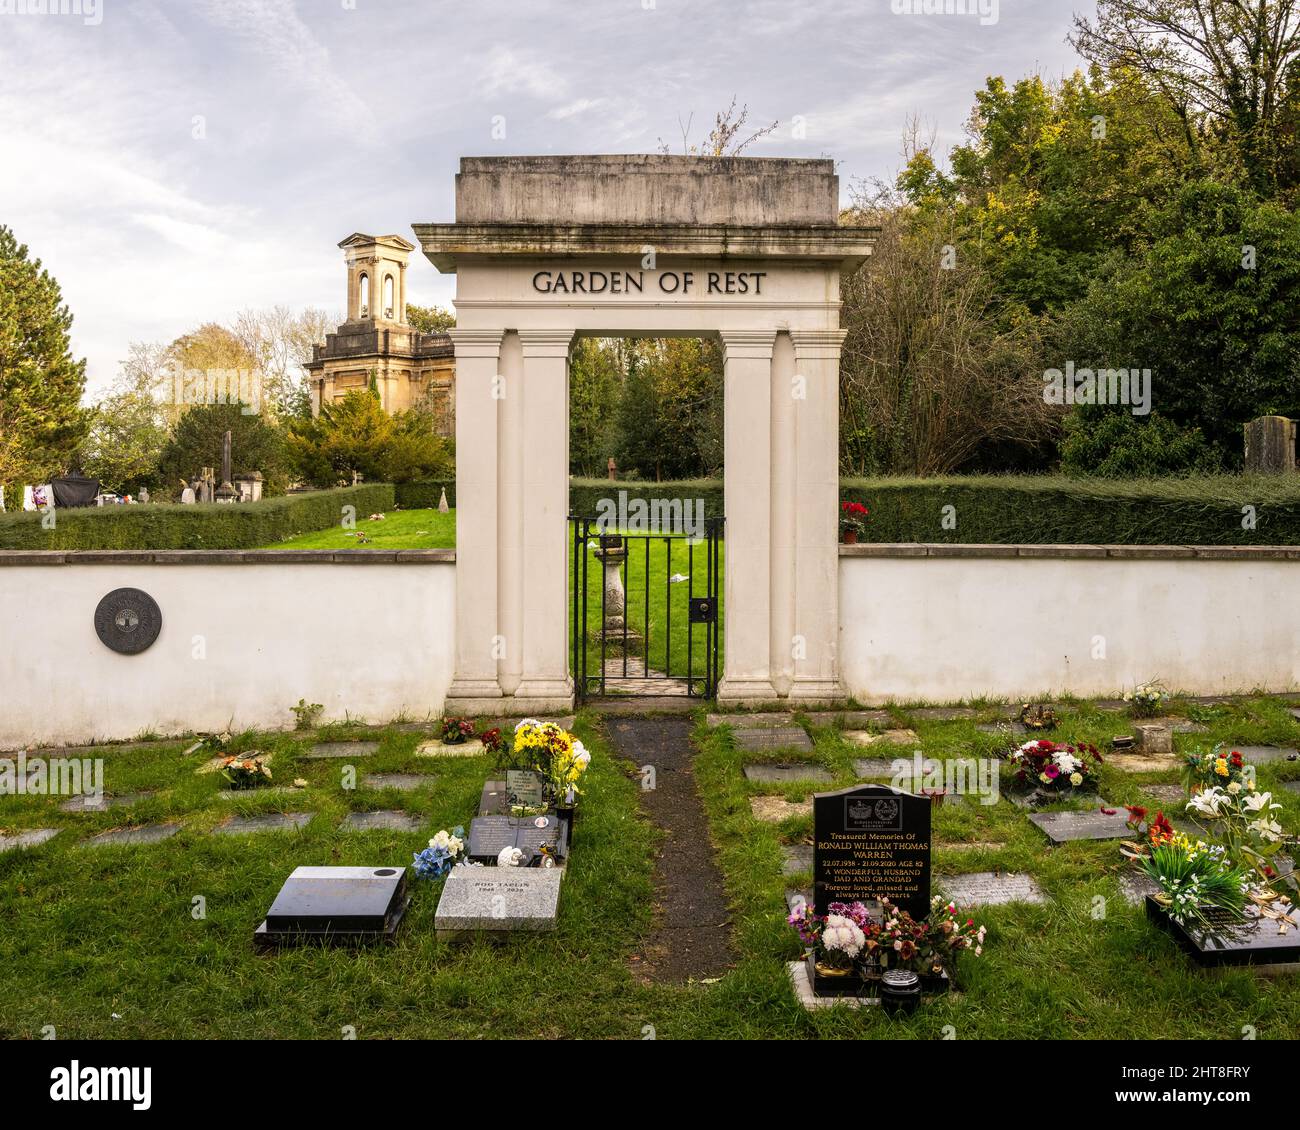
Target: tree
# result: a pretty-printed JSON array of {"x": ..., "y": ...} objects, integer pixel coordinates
[
  {"x": 196, "y": 442},
  {"x": 430, "y": 319},
  {"x": 127, "y": 434},
  {"x": 928, "y": 376},
  {"x": 595, "y": 381},
  {"x": 1230, "y": 65},
  {"x": 280, "y": 344},
  {"x": 354, "y": 436},
  {"x": 211, "y": 365},
  {"x": 1212, "y": 308},
  {"x": 727, "y": 137},
  {"x": 41, "y": 420}
]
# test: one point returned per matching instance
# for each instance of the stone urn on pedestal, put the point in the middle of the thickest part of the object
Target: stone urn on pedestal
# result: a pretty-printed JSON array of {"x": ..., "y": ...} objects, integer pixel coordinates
[{"x": 615, "y": 629}]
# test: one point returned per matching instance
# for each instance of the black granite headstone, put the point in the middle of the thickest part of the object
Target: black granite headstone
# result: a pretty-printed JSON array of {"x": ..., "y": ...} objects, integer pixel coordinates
[
  {"x": 488, "y": 835},
  {"x": 524, "y": 788},
  {"x": 872, "y": 842},
  {"x": 336, "y": 904}
]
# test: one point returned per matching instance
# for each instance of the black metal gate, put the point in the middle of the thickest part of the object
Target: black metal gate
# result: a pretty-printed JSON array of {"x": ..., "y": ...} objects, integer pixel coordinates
[{"x": 647, "y": 610}]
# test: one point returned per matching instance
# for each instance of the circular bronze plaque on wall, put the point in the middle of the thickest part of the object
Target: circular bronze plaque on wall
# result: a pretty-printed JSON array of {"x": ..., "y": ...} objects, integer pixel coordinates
[{"x": 128, "y": 621}]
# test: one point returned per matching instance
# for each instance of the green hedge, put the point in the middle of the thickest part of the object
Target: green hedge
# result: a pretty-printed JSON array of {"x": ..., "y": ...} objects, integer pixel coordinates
[
  {"x": 1035, "y": 509},
  {"x": 585, "y": 495},
  {"x": 425, "y": 496},
  {"x": 174, "y": 526},
  {"x": 1054, "y": 510}
]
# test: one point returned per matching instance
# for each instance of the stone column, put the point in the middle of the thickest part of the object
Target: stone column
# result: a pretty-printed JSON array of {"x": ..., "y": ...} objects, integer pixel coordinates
[
  {"x": 785, "y": 503},
  {"x": 546, "y": 682},
  {"x": 816, "y": 518},
  {"x": 478, "y": 647},
  {"x": 747, "y": 482}
]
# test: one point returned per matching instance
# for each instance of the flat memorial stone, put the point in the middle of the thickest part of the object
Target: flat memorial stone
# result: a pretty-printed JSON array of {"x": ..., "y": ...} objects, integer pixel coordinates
[
  {"x": 756, "y": 721},
  {"x": 87, "y": 803},
  {"x": 498, "y": 899},
  {"x": 764, "y": 738},
  {"x": 1178, "y": 725},
  {"x": 402, "y": 782},
  {"x": 991, "y": 888},
  {"x": 856, "y": 719},
  {"x": 438, "y": 748},
  {"x": 493, "y": 801},
  {"x": 270, "y": 822},
  {"x": 1262, "y": 754},
  {"x": 874, "y": 769},
  {"x": 774, "y": 809},
  {"x": 796, "y": 859},
  {"x": 1295, "y": 713},
  {"x": 214, "y": 764},
  {"x": 489, "y": 835},
  {"x": 1256, "y": 942},
  {"x": 329, "y": 750},
  {"x": 1134, "y": 886},
  {"x": 1064, "y": 827},
  {"x": 145, "y": 834},
  {"x": 1142, "y": 763},
  {"x": 336, "y": 905},
  {"x": 889, "y": 737},
  {"x": 783, "y": 774},
  {"x": 1291, "y": 786},
  {"x": 390, "y": 820},
  {"x": 1167, "y": 794},
  {"x": 30, "y": 839},
  {"x": 943, "y": 713},
  {"x": 1007, "y": 728}
]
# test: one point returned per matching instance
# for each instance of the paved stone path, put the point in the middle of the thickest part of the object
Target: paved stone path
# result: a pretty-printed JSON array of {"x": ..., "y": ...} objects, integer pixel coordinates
[{"x": 691, "y": 937}]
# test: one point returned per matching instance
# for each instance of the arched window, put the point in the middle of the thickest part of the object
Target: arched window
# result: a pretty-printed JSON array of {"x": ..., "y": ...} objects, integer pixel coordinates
[
  {"x": 365, "y": 296},
  {"x": 388, "y": 296}
]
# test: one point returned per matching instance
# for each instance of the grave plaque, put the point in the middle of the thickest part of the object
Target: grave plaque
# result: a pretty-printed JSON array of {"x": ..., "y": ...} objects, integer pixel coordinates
[
  {"x": 128, "y": 621},
  {"x": 524, "y": 788},
  {"x": 488, "y": 835},
  {"x": 872, "y": 842},
  {"x": 498, "y": 899},
  {"x": 336, "y": 904}
]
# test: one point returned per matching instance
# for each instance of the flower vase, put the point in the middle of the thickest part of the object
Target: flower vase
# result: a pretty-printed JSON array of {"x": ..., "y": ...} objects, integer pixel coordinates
[{"x": 850, "y": 537}]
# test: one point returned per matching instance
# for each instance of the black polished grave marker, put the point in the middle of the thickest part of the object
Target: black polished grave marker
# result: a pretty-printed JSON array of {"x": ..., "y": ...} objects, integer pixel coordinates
[
  {"x": 337, "y": 905},
  {"x": 872, "y": 842},
  {"x": 488, "y": 835}
]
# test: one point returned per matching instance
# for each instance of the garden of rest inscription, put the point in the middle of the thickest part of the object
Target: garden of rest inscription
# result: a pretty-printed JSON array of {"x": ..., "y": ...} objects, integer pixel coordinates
[{"x": 872, "y": 842}]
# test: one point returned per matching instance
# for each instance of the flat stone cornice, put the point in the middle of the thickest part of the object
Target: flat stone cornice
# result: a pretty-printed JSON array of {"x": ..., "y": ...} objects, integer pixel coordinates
[
  {"x": 446, "y": 244},
  {"x": 227, "y": 557},
  {"x": 1113, "y": 552}
]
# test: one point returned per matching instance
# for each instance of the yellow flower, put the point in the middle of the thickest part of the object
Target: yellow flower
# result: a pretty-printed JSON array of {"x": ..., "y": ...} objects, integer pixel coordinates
[{"x": 1221, "y": 767}]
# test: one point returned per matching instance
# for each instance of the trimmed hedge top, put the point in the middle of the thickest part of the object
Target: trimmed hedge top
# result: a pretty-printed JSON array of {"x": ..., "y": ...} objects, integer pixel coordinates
[{"x": 244, "y": 525}]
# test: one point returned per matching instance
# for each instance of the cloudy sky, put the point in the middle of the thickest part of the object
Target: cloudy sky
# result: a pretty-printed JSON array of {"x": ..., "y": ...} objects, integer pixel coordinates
[{"x": 175, "y": 161}]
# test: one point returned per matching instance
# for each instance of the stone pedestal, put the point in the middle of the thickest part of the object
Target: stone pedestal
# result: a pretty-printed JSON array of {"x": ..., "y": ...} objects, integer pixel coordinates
[{"x": 1154, "y": 738}]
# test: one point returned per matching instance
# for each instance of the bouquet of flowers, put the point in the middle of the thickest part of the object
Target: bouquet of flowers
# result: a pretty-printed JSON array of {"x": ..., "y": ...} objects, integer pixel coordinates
[
  {"x": 245, "y": 772},
  {"x": 946, "y": 936},
  {"x": 1199, "y": 884},
  {"x": 853, "y": 518},
  {"x": 491, "y": 740},
  {"x": 1145, "y": 700},
  {"x": 554, "y": 753},
  {"x": 445, "y": 850},
  {"x": 1158, "y": 831},
  {"x": 1217, "y": 768},
  {"x": 1056, "y": 767},
  {"x": 839, "y": 938},
  {"x": 455, "y": 731}
]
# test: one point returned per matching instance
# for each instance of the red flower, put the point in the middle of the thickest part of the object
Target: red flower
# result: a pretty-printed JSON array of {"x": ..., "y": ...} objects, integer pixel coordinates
[{"x": 1161, "y": 831}]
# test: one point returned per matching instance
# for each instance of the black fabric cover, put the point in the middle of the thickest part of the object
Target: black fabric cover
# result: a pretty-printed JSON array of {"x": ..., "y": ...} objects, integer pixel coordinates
[{"x": 75, "y": 490}]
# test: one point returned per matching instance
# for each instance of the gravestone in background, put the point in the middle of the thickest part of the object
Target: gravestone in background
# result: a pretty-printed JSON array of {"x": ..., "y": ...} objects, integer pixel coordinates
[{"x": 872, "y": 842}]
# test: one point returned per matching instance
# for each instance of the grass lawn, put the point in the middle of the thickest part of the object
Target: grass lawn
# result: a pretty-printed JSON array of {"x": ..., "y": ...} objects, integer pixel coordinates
[
  {"x": 400, "y": 529},
  {"x": 103, "y": 942}
]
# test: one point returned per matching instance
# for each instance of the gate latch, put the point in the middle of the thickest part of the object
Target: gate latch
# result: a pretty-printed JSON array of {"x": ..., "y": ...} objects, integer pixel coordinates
[{"x": 704, "y": 610}]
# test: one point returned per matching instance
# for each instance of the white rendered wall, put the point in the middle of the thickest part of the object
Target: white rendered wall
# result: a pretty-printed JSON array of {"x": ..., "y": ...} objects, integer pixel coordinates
[
  {"x": 373, "y": 639},
  {"x": 943, "y": 629}
]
